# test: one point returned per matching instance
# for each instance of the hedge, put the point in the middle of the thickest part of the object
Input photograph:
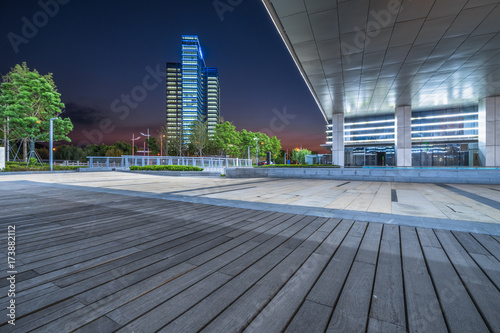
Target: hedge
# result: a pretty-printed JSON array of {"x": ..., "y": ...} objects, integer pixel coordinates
[{"x": 166, "y": 168}]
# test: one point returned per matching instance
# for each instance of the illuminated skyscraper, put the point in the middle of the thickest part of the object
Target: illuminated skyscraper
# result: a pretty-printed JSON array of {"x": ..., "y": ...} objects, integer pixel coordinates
[
  {"x": 213, "y": 99},
  {"x": 193, "y": 92}
]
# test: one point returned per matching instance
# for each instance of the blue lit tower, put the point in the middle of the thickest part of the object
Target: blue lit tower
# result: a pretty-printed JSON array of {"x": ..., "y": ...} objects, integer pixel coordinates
[{"x": 193, "y": 92}]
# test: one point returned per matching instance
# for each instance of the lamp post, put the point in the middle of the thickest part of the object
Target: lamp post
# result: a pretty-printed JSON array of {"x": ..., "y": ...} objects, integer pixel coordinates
[
  {"x": 146, "y": 140},
  {"x": 133, "y": 144},
  {"x": 257, "y": 152},
  {"x": 161, "y": 144},
  {"x": 51, "y": 144}
]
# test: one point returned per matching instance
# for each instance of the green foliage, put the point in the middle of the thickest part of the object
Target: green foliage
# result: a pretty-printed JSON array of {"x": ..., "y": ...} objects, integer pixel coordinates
[
  {"x": 227, "y": 138},
  {"x": 113, "y": 151},
  {"x": 198, "y": 138},
  {"x": 69, "y": 153},
  {"x": 299, "y": 155},
  {"x": 299, "y": 166},
  {"x": 125, "y": 147},
  {"x": 33, "y": 161},
  {"x": 43, "y": 153},
  {"x": 18, "y": 167},
  {"x": 96, "y": 150},
  {"x": 166, "y": 168},
  {"x": 29, "y": 100},
  {"x": 237, "y": 143},
  {"x": 153, "y": 146}
]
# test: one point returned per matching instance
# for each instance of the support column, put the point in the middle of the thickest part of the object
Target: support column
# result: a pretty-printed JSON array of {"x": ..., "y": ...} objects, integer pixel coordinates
[
  {"x": 489, "y": 131},
  {"x": 2, "y": 158},
  {"x": 403, "y": 136},
  {"x": 338, "y": 139}
]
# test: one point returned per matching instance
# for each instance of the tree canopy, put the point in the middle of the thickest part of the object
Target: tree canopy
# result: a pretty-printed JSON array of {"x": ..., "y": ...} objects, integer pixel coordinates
[
  {"x": 27, "y": 102},
  {"x": 299, "y": 155},
  {"x": 236, "y": 143}
]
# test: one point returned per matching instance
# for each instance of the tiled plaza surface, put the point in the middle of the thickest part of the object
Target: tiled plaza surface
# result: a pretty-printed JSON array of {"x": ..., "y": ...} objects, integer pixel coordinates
[{"x": 114, "y": 251}]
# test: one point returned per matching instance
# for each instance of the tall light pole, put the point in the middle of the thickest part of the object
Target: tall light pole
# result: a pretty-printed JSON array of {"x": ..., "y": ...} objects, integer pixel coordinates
[
  {"x": 133, "y": 144},
  {"x": 146, "y": 140},
  {"x": 7, "y": 140},
  {"x": 161, "y": 144},
  {"x": 257, "y": 152},
  {"x": 51, "y": 144}
]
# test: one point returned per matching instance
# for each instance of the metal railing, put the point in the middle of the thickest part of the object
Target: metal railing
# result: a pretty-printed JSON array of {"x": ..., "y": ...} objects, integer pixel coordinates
[{"x": 214, "y": 164}]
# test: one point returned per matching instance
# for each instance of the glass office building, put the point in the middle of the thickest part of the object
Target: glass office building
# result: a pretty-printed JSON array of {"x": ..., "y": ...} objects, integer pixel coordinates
[
  {"x": 213, "y": 99},
  {"x": 440, "y": 137},
  {"x": 197, "y": 91},
  {"x": 174, "y": 100}
]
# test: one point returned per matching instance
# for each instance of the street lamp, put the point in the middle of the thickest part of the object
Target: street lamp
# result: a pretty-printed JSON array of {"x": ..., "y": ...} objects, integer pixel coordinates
[
  {"x": 133, "y": 144},
  {"x": 146, "y": 140},
  {"x": 161, "y": 144},
  {"x": 257, "y": 152},
  {"x": 51, "y": 144}
]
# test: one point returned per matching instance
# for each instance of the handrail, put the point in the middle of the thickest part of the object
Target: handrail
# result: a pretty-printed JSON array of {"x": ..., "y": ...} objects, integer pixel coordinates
[{"x": 126, "y": 161}]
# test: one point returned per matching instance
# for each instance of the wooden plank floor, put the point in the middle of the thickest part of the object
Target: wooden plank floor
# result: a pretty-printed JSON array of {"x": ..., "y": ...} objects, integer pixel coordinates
[{"x": 96, "y": 262}]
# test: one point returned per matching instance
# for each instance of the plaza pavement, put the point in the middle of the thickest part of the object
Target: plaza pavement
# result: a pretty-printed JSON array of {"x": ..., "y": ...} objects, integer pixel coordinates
[
  {"x": 474, "y": 208},
  {"x": 126, "y": 252}
]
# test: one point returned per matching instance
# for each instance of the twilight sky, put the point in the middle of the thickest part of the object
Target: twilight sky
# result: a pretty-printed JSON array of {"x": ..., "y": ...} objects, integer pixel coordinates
[{"x": 100, "y": 52}]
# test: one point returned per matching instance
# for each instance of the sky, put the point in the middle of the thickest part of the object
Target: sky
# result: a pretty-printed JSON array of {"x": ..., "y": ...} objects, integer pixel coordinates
[{"x": 108, "y": 60}]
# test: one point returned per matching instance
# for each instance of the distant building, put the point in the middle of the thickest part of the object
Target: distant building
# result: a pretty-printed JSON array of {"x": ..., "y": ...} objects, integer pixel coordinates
[
  {"x": 174, "y": 100},
  {"x": 193, "y": 92}
]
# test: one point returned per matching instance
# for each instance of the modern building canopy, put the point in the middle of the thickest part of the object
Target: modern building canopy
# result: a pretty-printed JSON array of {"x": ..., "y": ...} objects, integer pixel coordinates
[
  {"x": 362, "y": 57},
  {"x": 425, "y": 62}
]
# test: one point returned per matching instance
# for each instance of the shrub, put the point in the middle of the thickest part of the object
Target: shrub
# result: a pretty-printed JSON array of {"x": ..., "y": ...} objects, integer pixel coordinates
[
  {"x": 166, "y": 168},
  {"x": 299, "y": 166}
]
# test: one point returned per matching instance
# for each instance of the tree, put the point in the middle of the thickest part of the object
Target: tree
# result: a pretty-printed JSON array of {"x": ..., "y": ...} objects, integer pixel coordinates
[
  {"x": 198, "y": 139},
  {"x": 299, "y": 155},
  {"x": 152, "y": 145},
  {"x": 96, "y": 150},
  {"x": 125, "y": 147},
  {"x": 113, "y": 151},
  {"x": 69, "y": 153},
  {"x": 227, "y": 138},
  {"x": 28, "y": 100}
]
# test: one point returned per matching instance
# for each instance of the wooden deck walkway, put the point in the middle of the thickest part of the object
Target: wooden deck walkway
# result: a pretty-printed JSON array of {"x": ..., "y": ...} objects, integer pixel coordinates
[{"x": 98, "y": 262}]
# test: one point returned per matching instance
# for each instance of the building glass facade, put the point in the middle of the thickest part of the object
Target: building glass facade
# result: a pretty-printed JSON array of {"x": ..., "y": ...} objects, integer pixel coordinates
[
  {"x": 442, "y": 137},
  {"x": 197, "y": 91},
  {"x": 174, "y": 101},
  {"x": 213, "y": 99}
]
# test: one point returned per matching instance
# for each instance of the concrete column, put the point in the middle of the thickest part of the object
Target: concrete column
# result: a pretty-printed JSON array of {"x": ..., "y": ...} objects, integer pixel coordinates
[
  {"x": 338, "y": 139},
  {"x": 403, "y": 136},
  {"x": 489, "y": 131},
  {"x": 2, "y": 158}
]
